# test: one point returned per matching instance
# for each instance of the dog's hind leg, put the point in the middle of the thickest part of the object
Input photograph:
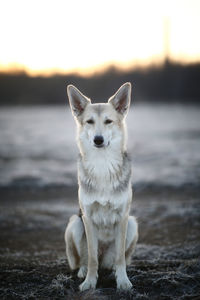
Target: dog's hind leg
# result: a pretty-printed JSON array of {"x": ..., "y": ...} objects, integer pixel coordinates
[
  {"x": 76, "y": 245},
  {"x": 131, "y": 238}
]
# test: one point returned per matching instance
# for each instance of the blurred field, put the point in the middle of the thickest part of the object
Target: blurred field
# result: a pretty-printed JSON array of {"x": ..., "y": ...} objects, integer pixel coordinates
[
  {"x": 38, "y": 192},
  {"x": 38, "y": 146}
]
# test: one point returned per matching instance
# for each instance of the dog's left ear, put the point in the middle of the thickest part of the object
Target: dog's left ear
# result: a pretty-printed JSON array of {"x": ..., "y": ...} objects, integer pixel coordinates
[{"x": 122, "y": 98}]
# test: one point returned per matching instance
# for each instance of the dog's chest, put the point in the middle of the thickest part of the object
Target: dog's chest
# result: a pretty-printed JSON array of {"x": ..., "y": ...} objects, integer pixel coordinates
[
  {"x": 105, "y": 215},
  {"x": 105, "y": 218},
  {"x": 105, "y": 192}
]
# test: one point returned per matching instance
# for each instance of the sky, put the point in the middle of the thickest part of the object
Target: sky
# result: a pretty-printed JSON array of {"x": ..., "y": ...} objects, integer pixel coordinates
[{"x": 43, "y": 36}]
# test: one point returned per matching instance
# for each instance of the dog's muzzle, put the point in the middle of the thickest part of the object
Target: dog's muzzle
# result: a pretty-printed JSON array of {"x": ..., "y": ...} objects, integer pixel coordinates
[{"x": 98, "y": 141}]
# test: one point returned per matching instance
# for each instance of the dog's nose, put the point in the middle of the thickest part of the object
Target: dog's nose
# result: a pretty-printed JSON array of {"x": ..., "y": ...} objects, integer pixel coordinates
[{"x": 98, "y": 140}]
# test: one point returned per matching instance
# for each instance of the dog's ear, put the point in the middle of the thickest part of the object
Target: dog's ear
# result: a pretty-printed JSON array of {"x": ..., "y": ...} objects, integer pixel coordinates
[
  {"x": 121, "y": 99},
  {"x": 77, "y": 100}
]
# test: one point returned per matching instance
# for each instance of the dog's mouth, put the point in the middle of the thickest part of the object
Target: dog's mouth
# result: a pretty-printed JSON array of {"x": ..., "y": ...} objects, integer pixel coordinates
[
  {"x": 102, "y": 145},
  {"x": 98, "y": 146}
]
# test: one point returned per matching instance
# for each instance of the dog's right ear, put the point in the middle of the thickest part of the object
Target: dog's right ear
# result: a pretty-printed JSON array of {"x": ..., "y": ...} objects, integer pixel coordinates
[{"x": 77, "y": 100}]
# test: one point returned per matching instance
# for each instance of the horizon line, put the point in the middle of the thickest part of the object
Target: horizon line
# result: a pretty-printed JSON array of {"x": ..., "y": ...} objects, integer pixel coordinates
[{"x": 124, "y": 67}]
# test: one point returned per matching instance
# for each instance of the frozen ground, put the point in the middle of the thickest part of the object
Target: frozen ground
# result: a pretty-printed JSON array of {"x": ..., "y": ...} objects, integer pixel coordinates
[{"x": 166, "y": 263}]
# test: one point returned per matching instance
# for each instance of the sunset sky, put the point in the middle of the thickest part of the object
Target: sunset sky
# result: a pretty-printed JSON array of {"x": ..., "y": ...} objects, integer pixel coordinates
[{"x": 61, "y": 36}]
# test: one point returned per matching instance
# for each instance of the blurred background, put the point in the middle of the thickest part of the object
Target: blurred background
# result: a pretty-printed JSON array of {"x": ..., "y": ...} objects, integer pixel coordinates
[{"x": 98, "y": 46}]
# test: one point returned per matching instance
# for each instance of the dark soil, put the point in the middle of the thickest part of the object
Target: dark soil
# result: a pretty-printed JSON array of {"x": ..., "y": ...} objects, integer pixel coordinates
[{"x": 33, "y": 264}]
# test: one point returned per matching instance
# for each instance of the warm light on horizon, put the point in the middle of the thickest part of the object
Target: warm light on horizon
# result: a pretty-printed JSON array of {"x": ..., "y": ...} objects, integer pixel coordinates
[{"x": 43, "y": 37}]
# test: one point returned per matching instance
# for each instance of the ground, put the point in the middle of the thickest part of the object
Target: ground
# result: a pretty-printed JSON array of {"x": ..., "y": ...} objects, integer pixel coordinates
[{"x": 33, "y": 264}]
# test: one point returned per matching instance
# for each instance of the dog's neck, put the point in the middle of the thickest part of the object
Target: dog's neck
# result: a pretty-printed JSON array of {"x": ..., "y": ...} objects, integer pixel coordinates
[{"x": 105, "y": 173}]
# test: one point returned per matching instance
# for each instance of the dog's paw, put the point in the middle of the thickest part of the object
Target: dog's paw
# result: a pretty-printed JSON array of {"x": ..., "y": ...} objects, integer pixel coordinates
[
  {"x": 88, "y": 284},
  {"x": 82, "y": 272},
  {"x": 124, "y": 284}
]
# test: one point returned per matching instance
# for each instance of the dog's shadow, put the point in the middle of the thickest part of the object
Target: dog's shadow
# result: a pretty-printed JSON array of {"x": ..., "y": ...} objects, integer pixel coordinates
[{"x": 106, "y": 279}]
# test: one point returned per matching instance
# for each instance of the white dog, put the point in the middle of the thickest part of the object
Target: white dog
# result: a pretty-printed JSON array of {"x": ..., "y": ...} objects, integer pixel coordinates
[{"x": 104, "y": 234}]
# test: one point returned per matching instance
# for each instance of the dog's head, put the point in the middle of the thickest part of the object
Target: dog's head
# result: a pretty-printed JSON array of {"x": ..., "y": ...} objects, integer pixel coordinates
[{"x": 100, "y": 125}]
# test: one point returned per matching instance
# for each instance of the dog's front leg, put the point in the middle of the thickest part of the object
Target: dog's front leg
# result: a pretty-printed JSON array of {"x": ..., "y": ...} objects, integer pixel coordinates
[
  {"x": 92, "y": 243},
  {"x": 120, "y": 264}
]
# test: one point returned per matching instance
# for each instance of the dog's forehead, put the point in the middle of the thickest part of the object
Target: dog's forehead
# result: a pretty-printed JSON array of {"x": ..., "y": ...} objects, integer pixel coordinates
[{"x": 100, "y": 109}]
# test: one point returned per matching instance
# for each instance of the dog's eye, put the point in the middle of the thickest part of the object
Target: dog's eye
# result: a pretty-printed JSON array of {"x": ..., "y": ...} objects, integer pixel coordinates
[
  {"x": 90, "y": 121},
  {"x": 108, "y": 121}
]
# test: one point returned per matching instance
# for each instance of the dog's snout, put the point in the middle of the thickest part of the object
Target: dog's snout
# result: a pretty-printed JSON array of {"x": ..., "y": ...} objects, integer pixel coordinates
[{"x": 98, "y": 140}]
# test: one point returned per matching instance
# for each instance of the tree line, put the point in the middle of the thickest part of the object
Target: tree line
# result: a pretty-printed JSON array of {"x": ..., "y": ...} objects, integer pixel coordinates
[{"x": 170, "y": 82}]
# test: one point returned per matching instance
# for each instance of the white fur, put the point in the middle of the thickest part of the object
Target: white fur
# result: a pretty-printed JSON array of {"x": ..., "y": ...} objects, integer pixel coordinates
[{"x": 105, "y": 193}]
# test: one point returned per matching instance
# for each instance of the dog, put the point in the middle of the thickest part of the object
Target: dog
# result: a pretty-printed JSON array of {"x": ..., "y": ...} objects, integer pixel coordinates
[{"x": 104, "y": 235}]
